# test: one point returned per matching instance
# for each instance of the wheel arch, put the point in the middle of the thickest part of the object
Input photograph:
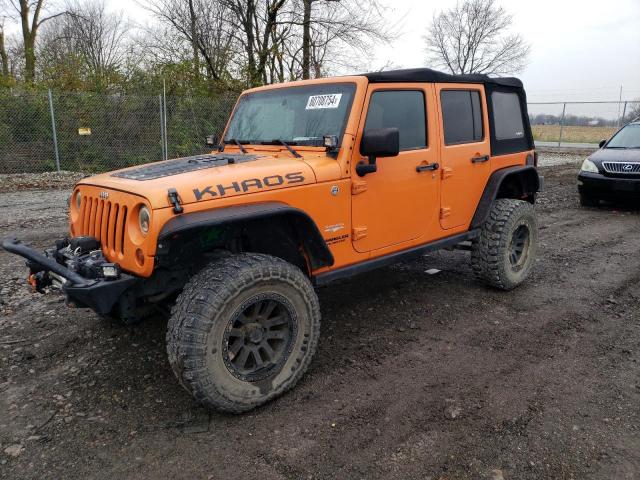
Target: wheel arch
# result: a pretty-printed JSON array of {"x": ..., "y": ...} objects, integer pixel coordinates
[
  {"x": 265, "y": 227},
  {"x": 519, "y": 182}
]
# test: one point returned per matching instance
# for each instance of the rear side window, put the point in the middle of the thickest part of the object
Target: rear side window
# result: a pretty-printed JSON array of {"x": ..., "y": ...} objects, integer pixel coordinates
[
  {"x": 507, "y": 116},
  {"x": 462, "y": 116},
  {"x": 401, "y": 109}
]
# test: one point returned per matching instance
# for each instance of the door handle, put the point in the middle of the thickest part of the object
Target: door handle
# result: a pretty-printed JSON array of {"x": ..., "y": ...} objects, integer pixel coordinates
[
  {"x": 481, "y": 159},
  {"x": 427, "y": 167}
]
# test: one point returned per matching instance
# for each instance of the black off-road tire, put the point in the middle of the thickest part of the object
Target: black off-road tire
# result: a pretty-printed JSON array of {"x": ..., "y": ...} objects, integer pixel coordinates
[
  {"x": 209, "y": 307},
  {"x": 588, "y": 201},
  {"x": 511, "y": 223}
]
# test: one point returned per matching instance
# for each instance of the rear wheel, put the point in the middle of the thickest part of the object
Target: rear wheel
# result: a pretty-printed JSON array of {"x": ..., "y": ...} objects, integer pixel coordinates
[
  {"x": 504, "y": 253},
  {"x": 588, "y": 201},
  {"x": 243, "y": 331}
]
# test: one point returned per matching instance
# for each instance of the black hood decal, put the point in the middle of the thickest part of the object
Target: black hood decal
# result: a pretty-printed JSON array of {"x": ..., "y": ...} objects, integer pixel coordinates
[{"x": 183, "y": 165}]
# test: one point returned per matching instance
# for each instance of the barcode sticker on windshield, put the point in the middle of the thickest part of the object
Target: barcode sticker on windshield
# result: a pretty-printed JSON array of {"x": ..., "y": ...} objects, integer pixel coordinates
[{"x": 324, "y": 101}]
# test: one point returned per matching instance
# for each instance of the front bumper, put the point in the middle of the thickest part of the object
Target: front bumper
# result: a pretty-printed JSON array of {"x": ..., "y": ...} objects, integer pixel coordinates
[
  {"x": 600, "y": 186},
  {"x": 75, "y": 273}
]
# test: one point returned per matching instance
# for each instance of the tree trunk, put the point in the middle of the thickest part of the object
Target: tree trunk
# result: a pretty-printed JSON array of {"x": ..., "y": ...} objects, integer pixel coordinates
[
  {"x": 29, "y": 58},
  {"x": 271, "y": 23},
  {"x": 3, "y": 55},
  {"x": 29, "y": 31},
  {"x": 306, "y": 40},
  {"x": 194, "y": 41},
  {"x": 248, "y": 30}
]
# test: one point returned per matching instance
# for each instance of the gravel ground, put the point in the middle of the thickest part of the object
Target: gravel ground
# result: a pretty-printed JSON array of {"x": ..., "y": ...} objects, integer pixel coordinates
[
  {"x": 38, "y": 181},
  {"x": 416, "y": 375}
]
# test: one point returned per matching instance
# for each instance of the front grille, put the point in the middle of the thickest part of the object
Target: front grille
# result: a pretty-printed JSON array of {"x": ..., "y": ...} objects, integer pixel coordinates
[
  {"x": 622, "y": 167},
  {"x": 104, "y": 220}
]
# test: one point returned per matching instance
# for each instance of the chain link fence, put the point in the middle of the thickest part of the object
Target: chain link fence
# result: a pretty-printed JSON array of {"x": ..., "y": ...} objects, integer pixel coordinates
[
  {"x": 42, "y": 132},
  {"x": 579, "y": 124},
  {"x": 45, "y": 131}
]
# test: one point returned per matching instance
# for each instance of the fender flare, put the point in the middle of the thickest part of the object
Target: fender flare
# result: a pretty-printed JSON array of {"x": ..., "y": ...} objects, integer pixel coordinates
[
  {"x": 529, "y": 183},
  {"x": 314, "y": 245}
]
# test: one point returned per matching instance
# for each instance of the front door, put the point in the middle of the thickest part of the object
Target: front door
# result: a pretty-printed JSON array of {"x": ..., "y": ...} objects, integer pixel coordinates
[
  {"x": 399, "y": 201},
  {"x": 465, "y": 158}
]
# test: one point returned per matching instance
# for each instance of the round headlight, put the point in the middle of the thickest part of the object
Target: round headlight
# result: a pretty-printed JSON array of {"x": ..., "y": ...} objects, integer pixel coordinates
[
  {"x": 78, "y": 200},
  {"x": 144, "y": 219},
  {"x": 589, "y": 166}
]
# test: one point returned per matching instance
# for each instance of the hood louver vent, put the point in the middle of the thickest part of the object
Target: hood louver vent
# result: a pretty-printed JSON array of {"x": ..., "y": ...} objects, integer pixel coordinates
[{"x": 183, "y": 165}]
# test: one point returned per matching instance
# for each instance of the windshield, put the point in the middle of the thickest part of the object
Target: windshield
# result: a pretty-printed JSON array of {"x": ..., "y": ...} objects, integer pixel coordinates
[
  {"x": 295, "y": 115},
  {"x": 628, "y": 137}
]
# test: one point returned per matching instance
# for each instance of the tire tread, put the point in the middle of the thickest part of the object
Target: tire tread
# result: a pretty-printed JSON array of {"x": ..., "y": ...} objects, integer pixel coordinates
[
  {"x": 488, "y": 248},
  {"x": 192, "y": 317}
]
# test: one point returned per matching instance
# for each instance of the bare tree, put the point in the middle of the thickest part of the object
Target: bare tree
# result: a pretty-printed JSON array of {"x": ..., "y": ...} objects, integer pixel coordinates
[
  {"x": 202, "y": 24},
  {"x": 634, "y": 111},
  {"x": 98, "y": 36},
  {"x": 31, "y": 15},
  {"x": 263, "y": 41},
  {"x": 85, "y": 47},
  {"x": 337, "y": 34},
  {"x": 257, "y": 19},
  {"x": 473, "y": 37}
]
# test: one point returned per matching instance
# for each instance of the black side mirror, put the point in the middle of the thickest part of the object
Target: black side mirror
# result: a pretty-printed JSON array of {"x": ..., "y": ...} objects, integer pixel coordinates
[
  {"x": 602, "y": 143},
  {"x": 378, "y": 142}
]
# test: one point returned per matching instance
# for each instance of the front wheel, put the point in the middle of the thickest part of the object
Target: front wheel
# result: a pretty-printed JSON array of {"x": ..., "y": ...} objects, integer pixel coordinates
[
  {"x": 504, "y": 253},
  {"x": 243, "y": 331}
]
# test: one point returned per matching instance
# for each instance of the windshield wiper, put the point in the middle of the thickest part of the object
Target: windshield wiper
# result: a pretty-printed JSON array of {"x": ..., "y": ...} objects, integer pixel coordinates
[
  {"x": 279, "y": 141},
  {"x": 236, "y": 142}
]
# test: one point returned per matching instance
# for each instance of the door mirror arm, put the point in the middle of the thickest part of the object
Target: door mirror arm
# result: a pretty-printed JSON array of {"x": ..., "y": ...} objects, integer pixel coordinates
[{"x": 364, "y": 168}]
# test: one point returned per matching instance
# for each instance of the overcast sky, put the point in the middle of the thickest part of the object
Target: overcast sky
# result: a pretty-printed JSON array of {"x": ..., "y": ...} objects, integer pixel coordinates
[{"x": 581, "y": 49}]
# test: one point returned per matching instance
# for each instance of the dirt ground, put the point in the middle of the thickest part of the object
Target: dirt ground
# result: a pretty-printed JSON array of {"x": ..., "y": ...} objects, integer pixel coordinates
[{"x": 416, "y": 376}]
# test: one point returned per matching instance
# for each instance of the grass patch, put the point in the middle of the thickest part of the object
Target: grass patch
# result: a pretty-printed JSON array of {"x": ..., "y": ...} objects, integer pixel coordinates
[{"x": 571, "y": 134}]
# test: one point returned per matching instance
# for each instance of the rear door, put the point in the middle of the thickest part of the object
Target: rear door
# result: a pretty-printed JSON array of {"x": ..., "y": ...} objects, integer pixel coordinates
[
  {"x": 465, "y": 157},
  {"x": 398, "y": 202}
]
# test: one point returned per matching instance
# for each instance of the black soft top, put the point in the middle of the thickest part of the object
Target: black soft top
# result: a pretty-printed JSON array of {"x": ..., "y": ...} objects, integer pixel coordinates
[{"x": 433, "y": 76}]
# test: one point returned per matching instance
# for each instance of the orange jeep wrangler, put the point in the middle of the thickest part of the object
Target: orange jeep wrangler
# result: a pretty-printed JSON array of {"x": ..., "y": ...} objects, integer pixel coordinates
[{"x": 312, "y": 181}]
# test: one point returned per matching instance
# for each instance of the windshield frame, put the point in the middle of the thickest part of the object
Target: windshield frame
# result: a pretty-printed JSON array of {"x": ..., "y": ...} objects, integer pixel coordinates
[
  {"x": 629, "y": 125},
  {"x": 225, "y": 139}
]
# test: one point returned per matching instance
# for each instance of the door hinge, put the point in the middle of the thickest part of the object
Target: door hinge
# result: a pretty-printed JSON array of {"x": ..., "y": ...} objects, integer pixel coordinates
[
  {"x": 446, "y": 172},
  {"x": 445, "y": 212},
  {"x": 358, "y": 186},
  {"x": 358, "y": 233}
]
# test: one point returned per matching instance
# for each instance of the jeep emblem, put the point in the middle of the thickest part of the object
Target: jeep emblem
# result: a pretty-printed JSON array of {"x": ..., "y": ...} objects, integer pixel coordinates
[{"x": 104, "y": 195}]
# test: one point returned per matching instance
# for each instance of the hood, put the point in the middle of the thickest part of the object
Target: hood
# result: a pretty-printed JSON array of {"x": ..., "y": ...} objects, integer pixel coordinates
[
  {"x": 217, "y": 175},
  {"x": 615, "y": 155}
]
